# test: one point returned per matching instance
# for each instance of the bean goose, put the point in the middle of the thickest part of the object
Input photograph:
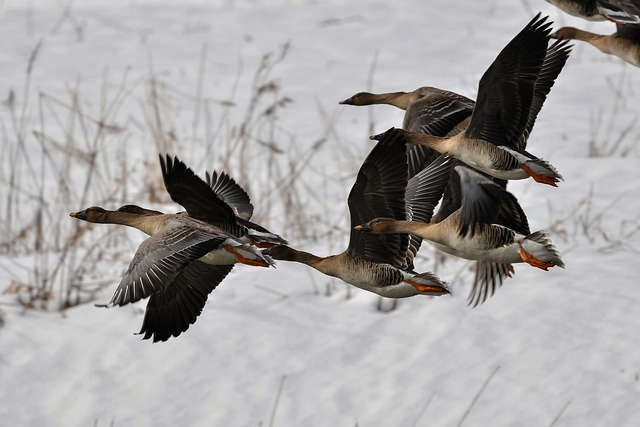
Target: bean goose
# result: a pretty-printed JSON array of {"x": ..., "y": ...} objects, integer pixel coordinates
[
  {"x": 506, "y": 108},
  {"x": 187, "y": 255},
  {"x": 441, "y": 112},
  {"x": 379, "y": 264},
  {"x": 444, "y": 113},
  {"x": 427, "y": 109},
  {"x": 471, "y": 227}
]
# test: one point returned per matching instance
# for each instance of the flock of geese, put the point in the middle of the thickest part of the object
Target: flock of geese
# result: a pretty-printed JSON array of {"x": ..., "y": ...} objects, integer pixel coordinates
[{"x": 450, "y": 151}]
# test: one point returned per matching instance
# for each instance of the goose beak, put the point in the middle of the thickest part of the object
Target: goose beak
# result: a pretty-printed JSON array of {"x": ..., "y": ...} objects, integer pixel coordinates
[
  {"x": 363, "y": 227},
  {"x": 79, "y": 215},
  {"x": 348, "y": 101},
  {"x": 377, "y": 137}
]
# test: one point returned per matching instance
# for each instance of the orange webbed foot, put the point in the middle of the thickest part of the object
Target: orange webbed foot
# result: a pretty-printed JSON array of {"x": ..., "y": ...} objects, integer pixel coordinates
[
  {"x": 432, "y": 289},
  {"x": 531, "y": 260},
  {"x": 241, "y": 259},
  {"x": 543, "y": 179}
]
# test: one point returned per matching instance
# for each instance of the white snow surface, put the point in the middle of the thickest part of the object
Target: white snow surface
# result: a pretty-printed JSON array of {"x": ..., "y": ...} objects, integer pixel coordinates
[{"x": 272, "y": 347}]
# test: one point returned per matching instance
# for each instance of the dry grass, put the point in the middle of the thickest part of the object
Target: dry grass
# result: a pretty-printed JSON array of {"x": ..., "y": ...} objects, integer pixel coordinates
[
  {"x": 74, "y": 152},
  {"x": 65, "y": 152},
  {"x": 587, "y": 220},
  {"x": 55, "y": 162}
]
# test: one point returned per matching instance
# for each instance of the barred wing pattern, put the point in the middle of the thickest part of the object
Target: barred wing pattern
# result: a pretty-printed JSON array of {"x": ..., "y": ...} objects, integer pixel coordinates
[
  {"x": 231, "y": 193},
  {"x": 171, "y": 312},
  {"x": 161, "y": 258}
]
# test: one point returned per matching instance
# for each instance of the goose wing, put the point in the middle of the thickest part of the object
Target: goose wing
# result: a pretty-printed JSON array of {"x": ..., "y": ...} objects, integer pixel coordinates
[
  {"x": 621, "y": 11},
  {"x": 489, "y": 277},
  {"x": 438, "y": 112},
  {"x": 505, "y": 92},
  {"x": 198, "y": 198},
  {"x": 554, "y": 61},
  {"x": 379, "y": 191},
  {"x": 172, "y": 311},
  {"x": 162, "y": 257},
  {"x": 423, "y": 193},
  {"x": 231, "y": 193},
  {"x": 511, "y": 215},
  {"x": 418, "y": 157},
  {"x": 451, "y": 199},
  {"x": 481, "y": 197},
  {"x": 425, "y": 189}
]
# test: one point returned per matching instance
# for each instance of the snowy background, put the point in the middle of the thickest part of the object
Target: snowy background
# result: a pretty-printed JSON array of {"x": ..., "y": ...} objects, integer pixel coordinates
[{"x": 97, "y": 88}]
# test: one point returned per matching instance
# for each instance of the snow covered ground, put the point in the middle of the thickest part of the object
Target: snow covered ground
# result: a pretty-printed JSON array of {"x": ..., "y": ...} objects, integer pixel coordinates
[{"x": 287, "y": 346}]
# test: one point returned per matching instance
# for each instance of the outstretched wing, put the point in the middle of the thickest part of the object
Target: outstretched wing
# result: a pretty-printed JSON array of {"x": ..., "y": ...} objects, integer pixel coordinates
[
  {"x": 439, "y": 112},
  {"x": 555, "y": 60},
  {"x": 188, "y": 190},
  {"x": 423, "y": 193},
  {"x": 505, "y": 92},
  {"x": 489, "y": 277},
  {"x": 198, "y": 198},
  {"x": 172, "y": 311},
  {"x": 379, "y": 192},
  {"x": 161, "y": 258},
  {"x": 481, "y": 198},
  {"x": 230, "y": 192}
]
